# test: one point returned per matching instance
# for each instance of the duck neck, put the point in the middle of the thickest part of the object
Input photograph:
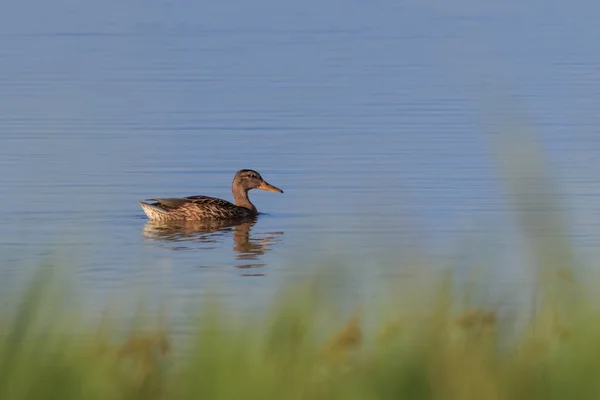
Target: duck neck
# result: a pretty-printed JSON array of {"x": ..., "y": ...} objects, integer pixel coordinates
[{"x": 240, "y": 197}]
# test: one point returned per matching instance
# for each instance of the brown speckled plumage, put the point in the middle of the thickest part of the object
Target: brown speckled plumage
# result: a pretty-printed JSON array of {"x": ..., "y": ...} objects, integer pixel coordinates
[{"x": 205, "y": 208}]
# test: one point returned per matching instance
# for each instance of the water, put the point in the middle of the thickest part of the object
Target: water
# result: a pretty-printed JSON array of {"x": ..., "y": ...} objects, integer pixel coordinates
[{"x": 370, "y": 116}]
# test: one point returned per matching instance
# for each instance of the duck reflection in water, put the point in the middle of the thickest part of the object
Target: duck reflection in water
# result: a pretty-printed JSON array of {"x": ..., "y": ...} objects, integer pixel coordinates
[{"x": 188, "y": 235}]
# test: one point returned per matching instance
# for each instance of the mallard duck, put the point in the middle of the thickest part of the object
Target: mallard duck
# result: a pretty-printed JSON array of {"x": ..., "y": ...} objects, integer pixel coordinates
[{"x": 195, "y": 208}]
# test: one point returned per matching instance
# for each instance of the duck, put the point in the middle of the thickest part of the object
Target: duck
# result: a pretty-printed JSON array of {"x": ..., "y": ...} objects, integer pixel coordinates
[{"x": 202, "y": 208}]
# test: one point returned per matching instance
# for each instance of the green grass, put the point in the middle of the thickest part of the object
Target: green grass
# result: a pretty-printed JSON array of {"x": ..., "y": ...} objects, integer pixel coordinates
[{"x": 443, "y": 350}]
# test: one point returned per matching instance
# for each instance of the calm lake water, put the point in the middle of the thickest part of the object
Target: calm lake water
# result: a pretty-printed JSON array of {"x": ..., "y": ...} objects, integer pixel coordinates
[{"x": 369, "y": 115}]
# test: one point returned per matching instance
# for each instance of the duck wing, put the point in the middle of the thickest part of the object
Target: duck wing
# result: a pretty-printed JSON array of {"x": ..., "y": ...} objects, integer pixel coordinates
[{"x": 177, "y": 202}]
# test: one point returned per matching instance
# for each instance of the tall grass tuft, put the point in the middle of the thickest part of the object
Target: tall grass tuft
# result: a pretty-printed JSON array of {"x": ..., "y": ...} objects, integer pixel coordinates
[{"x": 295, "y": 351}]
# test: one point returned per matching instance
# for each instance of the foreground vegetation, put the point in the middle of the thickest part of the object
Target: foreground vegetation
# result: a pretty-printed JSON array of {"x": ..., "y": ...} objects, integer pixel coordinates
[{"x": 443, "y": 352}]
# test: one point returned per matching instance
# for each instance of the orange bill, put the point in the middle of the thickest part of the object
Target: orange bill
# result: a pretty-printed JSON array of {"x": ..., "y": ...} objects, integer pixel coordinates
[{"x": 268, "y": 187}]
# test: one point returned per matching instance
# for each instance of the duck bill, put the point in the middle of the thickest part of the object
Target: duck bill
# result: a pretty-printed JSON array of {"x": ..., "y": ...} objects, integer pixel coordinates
[{"x": 269, "y": 188}]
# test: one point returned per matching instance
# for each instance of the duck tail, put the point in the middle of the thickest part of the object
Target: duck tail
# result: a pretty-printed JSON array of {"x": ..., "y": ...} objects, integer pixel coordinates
[{"x": 152, "y": 212}]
